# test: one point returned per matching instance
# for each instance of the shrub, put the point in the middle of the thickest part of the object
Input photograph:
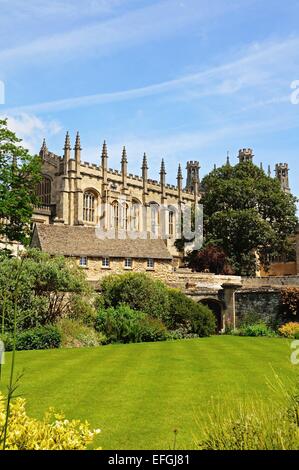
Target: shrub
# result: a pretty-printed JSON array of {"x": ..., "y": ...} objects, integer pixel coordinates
[
  {"x": 46, "y": 337},
  {"x": 120, "y": 324},
  {"x": 54, "y": 432},
  {"x": 202, "y": 321},
  {"x": 124, "y": 325},
  {"x": 180, "y": 308},
  {"x": 289, "y": 330},
  {"x": 152, "y": 329},
  {"x": 47, "y": 289},
  {"x": 257, "y": 329},
  {"x": 189, "y": 317},
  {"x": 77, "y": 335},
  {"x": 82, "y": 309},
  {"x": 289, "y": 297},
  {"x": 139, "y": 291}
]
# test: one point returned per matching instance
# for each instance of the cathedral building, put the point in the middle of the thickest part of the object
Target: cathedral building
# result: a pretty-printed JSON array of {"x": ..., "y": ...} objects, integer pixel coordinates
[{"x": 110, "y": 219}]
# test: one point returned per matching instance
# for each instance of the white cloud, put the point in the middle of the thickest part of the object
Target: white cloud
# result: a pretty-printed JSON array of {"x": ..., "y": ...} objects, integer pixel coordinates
[{"x": 32, "y": 129}]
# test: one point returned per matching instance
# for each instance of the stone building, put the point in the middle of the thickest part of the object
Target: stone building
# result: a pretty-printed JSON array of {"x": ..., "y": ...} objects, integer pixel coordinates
[{"x": 76, "y": 194}]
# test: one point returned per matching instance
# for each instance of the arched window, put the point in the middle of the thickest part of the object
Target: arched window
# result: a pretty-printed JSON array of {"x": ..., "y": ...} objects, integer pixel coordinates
[
  {"x": 155, "y": 218},
  {"x": 124, "y": 216},
  {"x": 171, "y": 220},
  {"x": 89, "y": 203},
  {"x": 135, "y": 216},
  {"x": 44, "y": 191},
  {"x": 115, "y": 215}
]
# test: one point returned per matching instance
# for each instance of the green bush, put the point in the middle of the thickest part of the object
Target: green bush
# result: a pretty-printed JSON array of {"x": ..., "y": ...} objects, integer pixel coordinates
[
  {"x": 48, "y": 288},
  {"x": 124, "y": 325},
  {"x": 120, "y": 324},
  {"x": 43, "y": 337},
  {"x": 257, "y": 329},
  {"x": 77, "y": 335},
  {"x": 139, "y": 291},
  {"x": 152, "y": 329},
  {"x": 202, "y": 321},
  {"x": 180, "y": 309}
]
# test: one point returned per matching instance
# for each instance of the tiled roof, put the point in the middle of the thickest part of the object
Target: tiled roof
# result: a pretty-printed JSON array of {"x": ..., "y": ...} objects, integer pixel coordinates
[{"x": 82, "y": 241}]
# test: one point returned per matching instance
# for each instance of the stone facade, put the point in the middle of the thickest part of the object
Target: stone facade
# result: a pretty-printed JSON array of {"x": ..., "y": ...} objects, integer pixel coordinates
[{"x": 78, "y": 193}]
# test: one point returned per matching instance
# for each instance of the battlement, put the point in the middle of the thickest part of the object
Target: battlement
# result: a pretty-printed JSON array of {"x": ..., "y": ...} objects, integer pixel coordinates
[
  {"x": 194, "y": 163},
  {"x": 282, "y": 165}
]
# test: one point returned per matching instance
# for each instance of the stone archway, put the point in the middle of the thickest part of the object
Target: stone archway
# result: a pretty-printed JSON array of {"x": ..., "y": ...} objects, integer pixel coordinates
[{"x": 216, "y": 307}]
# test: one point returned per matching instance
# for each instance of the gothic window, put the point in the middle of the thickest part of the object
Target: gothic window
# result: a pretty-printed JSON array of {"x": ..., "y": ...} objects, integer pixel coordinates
[
  {"x": 124, "y": 216},
  {"x": 44, "y": 191},
  {"x": 135, "y": 215},
  {"x": 115, "y": 215},
  {"x": 155, "y": 218},
  {"x": 171, "y": 223},
  {"x": 89, "y": 202}
]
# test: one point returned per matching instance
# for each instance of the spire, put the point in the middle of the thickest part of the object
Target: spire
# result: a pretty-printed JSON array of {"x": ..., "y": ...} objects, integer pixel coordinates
[
  {"x": 269, "y": 171},
  {"x": 104, "y": 160},
  {"x": 77, "y": 149},
  {"x": 104, "y": 150},
  {"x": 67, "y": 152},
  {"x": 44, "y": 148},
  {"x": 144, "y": 162},
  {"x": 78, "y": 143},
  {"x": 180, "y": 180},
  {"x": 227, "y": 159},
  {"x": 180, "y": 175},
  {"x": 67, "y": 144},
  {"x": 144, "y": 169},
  {"x": 124, "y": 156},
  {"x": 124, "y": 168},
  {"x": 162, "y": 171}
]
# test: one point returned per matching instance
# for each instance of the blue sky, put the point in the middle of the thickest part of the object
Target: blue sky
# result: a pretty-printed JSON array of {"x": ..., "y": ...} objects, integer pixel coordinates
[{"x": 178, "y": 79}]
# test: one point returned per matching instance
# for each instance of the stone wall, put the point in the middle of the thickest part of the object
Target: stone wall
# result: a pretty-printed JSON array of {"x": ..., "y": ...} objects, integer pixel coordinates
[
  {"x": 95, "y": 272},
  {"x": 270, "y": 282},
  {"x": 265, "y": 303}
]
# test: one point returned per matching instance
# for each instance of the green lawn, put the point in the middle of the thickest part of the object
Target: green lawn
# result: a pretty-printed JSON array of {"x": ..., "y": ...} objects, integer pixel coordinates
[{"x": 138, "y": 393}]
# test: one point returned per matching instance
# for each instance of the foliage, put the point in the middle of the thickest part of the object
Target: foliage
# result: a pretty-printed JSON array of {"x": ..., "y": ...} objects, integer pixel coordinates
[
  {"x": 211, "y": 258},
  {"x": 47, "y": 289},
  {"x": 189, "y": 317},
  {"x": 256, "y": 329},
  {"x": 243, "y": 196},
  {"x": 42, "y": 337},
  {"x": 78, "y": 335},
  {"x": 54, "y": 432},
  {"x": 289, "y": 330},
  {"x": 19, "y": 175},
  {"x": 152, "y": 329},
  {"x": 252, "y": 428},
  {"x": 83, "y": 308},
  {"x": 289, "y": 298},
  {"x": 124, "y": 325},
  {"x": 180, "y": 309},
  {"x": 120, "y": 324},
  {"x": 202, "y": 321},
  {"x": 139, "y": 291}
]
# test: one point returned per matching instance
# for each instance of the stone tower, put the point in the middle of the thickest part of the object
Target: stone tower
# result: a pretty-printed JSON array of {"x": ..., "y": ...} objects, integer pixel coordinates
[
  {"x": 245, "y": 155},
  {"x": 282, "y": 174},
  {"x": 192, "y": 175}
]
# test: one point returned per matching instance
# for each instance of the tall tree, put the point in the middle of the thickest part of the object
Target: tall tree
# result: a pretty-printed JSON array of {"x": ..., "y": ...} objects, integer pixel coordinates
[
  {"x": 247, "y": 214},
  {"x": 19, "y": 174}
]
